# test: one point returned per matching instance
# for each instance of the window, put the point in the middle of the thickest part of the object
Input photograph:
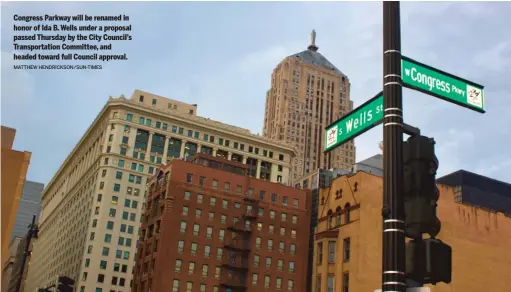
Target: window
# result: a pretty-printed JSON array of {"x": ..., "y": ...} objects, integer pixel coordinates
[
  {"x": 261, "y": 195},
  {"x": 279, "y": 283},
  {"x": 193, "y": 250},
  {"x": 281, "y": 246},
  {"x": 219, "y": 253},
  {"x": 120, "y": 241},
  {"x": 320, "y": 253},
  {"x": 254, "y": 279},
  {"x": 202, "y": 179},
  {"x": 214, "y": 184},
  {"x": 209, "y": 232},
  {"x": 291, "y": 266},
  {"x": 207, "y": 251},
  {"x": 330, "y": 284},
  {"x": 129, "y": 117},
  {"x": 212, "y": 201},
  {"x": 102, "y": 265},
  {"x": 117, "y": 187},
  {"x": 183, "y": 226},
  {"x": 189, "y": 177},
  {"x": 198, "y": 213},
  {"x": 126, "y": 255},
  {"x": 180, "y": 246},
  {"x": 204, "y": 270},
  {"x": 290, "y": 285},
  {"x": 196, "y": 229},
  {"x": 223, "y": 219},
  {"x": 346, "y": 249},
  {"x": 115, "y": 199},
  {"x": 284, "y": 200},
  {"x": 108, "y": 238},
  {"x": 112, "y": 212},
  {"x": 256, "y": 261},
  {"x": 100, "y": 196},
  {"x": 105, "y": 251},
  {"x": 120, "y": 163},
  {"x": 347, "y": 213},
  {"x": 225, "y": 204},
  {"x": 273, "y": 198},
  {"x": 270, "y": 244},
  {"x": 294, "y": 219},
  {"x": 258, "y": 242},
  {"x": 227, "y": 186},
  {"x": 282, "y": 231},
  {"x": 271, "y": 228},
  {"x": 125, "y": 215},
  {"x": 200, "y": 198},
  {"x": 189, "y": 286},
  {"x": 293, "y": 233},
  {"x": 268, "y": 262},
  {"x": 318, "y": 284},
  {"x": 118, "y": 175},
  {"x": 272, "y": 214},
  {"x": 101, "y": 278},
  {"x": 184, "y": 212},
  {"x": 221, "y": 234},
  {"x": 191, "y": 268},
  {"x": 266, "y": 281},
  {"x": 187, "y": 195},
  {"x": 345, "y": 282},
  {"x": 175, "y": 285},
  {"x": 280, "y": 265},
  {"x": 295, "y": 203},
  {"x": 331, "y": 252},
  {"x": 283, "y": 217}
]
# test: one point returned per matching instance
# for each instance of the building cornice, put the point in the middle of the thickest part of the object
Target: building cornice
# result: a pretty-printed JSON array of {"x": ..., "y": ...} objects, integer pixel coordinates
[{"x": 205, "y": 123}]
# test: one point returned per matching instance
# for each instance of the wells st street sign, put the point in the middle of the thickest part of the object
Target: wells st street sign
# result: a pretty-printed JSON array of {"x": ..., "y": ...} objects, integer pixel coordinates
[
  {"x": 442, "y": 85},
  {"x": 357, "y": 122}
]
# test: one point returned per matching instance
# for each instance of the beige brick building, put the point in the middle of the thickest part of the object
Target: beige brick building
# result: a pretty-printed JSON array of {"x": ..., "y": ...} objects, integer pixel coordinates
[
  {"x": 91, "y": 208},
  {"x": 347, "y": 252},
  {"x": 307, "y": 94}
]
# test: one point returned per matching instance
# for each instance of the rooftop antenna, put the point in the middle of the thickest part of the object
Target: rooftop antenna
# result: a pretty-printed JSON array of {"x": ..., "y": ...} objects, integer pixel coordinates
[{"x": 313, "y": 46}]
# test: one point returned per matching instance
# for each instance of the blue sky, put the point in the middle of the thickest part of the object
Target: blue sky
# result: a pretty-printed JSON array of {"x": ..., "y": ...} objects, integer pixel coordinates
[{"x": 221, "y": 55}]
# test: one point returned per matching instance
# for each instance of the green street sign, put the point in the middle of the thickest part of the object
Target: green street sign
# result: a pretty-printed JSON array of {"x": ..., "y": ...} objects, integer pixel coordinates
[
  {"x": 355, "y": 123},
  {"x": 442, "y": 85}
]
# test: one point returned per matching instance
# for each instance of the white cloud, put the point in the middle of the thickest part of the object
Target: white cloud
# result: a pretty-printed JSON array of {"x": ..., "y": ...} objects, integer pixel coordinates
[{"x": 494, "y": 58}]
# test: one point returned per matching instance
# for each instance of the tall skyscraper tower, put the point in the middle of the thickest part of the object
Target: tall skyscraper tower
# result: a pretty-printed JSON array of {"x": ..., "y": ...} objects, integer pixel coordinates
[{"x": 308, "y": 93}]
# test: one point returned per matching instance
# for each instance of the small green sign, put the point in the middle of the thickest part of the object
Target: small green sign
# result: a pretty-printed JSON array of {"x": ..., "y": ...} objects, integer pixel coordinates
[
  {"x": 357, "y": 122},
  {"x": 442, "y": 85}
]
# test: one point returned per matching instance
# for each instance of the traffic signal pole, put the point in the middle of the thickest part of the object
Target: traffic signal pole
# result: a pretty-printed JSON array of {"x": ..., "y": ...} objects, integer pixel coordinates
[{"x": 393, "y": 252}]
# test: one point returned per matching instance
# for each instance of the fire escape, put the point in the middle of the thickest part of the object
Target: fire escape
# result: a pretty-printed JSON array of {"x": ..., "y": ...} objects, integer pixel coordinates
[{"x": 237, "y": 249}]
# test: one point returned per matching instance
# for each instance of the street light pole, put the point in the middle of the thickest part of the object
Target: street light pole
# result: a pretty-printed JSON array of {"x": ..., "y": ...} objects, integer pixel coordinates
[{"x": 393, "y": 251}]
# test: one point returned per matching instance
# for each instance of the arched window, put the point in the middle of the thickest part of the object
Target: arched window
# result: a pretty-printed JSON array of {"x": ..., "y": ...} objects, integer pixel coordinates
[
  {"x": 330, "y": 219},
  {"x": 338, "y": 212},
  {"x": 347, "y": 213}
]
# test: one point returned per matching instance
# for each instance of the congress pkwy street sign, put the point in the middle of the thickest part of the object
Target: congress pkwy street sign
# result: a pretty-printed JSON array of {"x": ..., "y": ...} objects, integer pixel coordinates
[
  {"x": 357, "y": 122},
  {"x": 442, "y": 85}
]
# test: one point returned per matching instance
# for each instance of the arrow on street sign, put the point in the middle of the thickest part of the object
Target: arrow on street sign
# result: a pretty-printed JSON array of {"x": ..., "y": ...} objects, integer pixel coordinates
[
  {"x": 443, "y": 85},
  {"x": 355, "y": 123}
]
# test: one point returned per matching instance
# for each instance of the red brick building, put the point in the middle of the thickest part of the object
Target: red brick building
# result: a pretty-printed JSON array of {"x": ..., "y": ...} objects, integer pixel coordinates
[{"x": 207, "y": 226}]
